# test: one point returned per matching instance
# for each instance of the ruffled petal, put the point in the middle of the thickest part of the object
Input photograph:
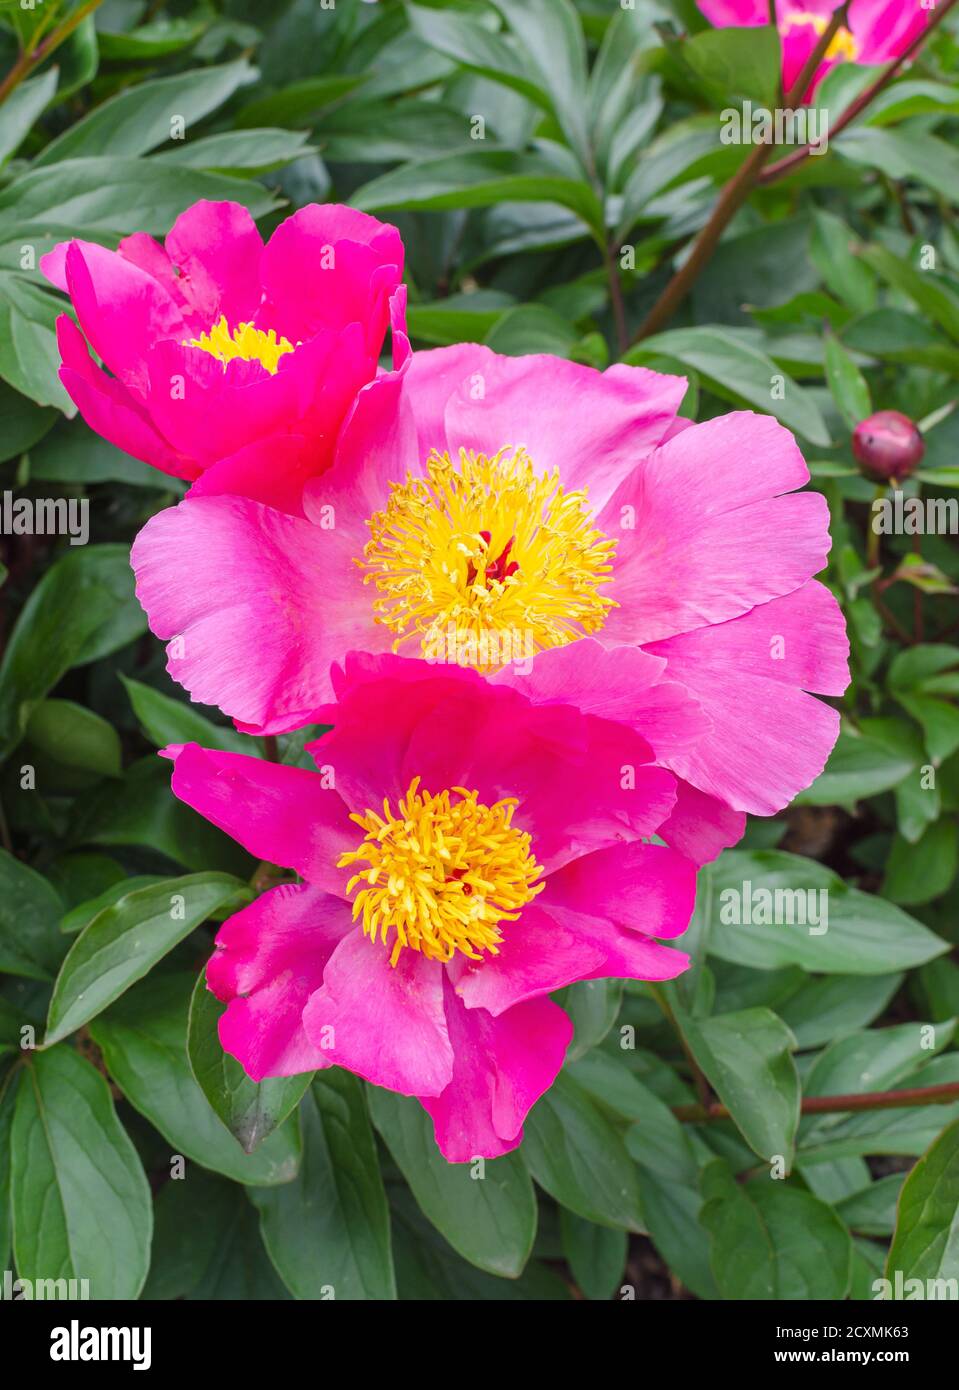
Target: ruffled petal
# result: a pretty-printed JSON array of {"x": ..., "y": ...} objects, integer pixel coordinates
[
  {"x": 384, "y": 1022},
  {"x": 501, "y": 1067},
  {"x": 269, "y": 959}
]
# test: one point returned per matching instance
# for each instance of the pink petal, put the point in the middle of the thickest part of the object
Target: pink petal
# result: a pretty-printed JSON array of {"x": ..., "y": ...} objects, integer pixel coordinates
[
  {"x": 501, "y": 1067},
  {"x": 769, "y": 740},
  {"x": 108, "y": 407},
  {"x": 595, "y": 920},
  {"x": 285, "y": 815},
  {"x": 269, "y": 960},
  {"x": 262, "y": 602},
  {"x": 702, "y": 536},
  {"x": 620, "y": 683},
  {"x": 218, "y": 249},
  {"x": 701, "y": 826},
  {"x": 384, "y": 1022},
  {"x": 328, "y": 266},
  {"x": 121, "y": 309},
  {"x": 592, "y": 426}
]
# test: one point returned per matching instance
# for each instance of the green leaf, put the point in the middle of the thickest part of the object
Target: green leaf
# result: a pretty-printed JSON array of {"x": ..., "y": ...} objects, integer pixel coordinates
[
  {"x": 926, "y": 1241},
  {"x": 138, "y": 119},
  {"x": 905, "y": 153},
  {"x": 125, "y": 941},
  {"x": 104, "y": 193},
  {"x": 75, "y": 737},
  {"x": 865, "y": 935},
  {"x": 843, "y": 272},
  {"x": 551, "y": 41},
  {"x": 931, "y": 293},
  {"x": 918, "y": 872},
  {"x": 595, "y": 1254},
  {"x": 578, "y": 1157},
  {"x": 30, "y": 909},
  {"x": 153, "y": 40},
  {"x": 480, "y": 179},
  {"x": 22, "y": 422},
  {"x": 8, "y": 1097},
  {"x": 772, "y": 1241},
  {"x": 23, "y": 107},
  {"x": 735, "y": 62},
  {"x": 860, "y": 766},
  {"x": 475, "y": 46},
  {"x": 328, "y": 1231},
  {"x": 166, "y": 720},
  {"x": 143, "y": 1039},
  {"x": 80, "y": 916},
  {"x": 735, "y": 369},
  {"x": 76, "y": 1177},
  {"x": 747, "y": 1059},
  {"x": 827, "y": 1008},
  {"x": 485, "y": 1209},
  {"x": 194, "y": 1217},
  {"x": 249, "y": 1110},
  {"x": 28, "y": 348},
  {"x": 72, "y": 453},
  {"x": 252, "y": 151},
  {"x": 82, "y": 609},
  {"x": 847, "y": 383},
  {"x": 142, "y": 810}
]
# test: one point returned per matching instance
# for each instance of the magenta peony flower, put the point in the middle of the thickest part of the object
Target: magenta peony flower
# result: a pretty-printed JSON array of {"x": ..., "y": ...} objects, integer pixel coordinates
[
  {"x": 498, "y": 510},
  {"x": 464, "y": 852},
  {"x": 878, "y": 30},
  {"x": 215, "y": 340}
]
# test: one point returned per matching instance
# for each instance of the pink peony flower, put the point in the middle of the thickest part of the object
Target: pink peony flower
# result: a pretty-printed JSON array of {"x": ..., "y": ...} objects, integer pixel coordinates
[
  {"x": 497, "y": 512},
  {"x": 464, "y": 851},
  {"x": 215, "y": 340},
  {"x": 878, "y": 30}
]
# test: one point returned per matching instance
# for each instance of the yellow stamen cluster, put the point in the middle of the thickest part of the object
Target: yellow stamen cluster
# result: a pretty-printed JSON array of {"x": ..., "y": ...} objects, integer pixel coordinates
[
  {"x": 442, "y": 874},
  {"x": 246, "y": 342},
  {"x": 843, "y": 46},
  {"x": 487, "y": 546}
]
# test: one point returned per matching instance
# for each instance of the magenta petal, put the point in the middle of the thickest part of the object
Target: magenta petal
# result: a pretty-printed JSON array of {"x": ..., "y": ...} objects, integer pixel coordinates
[
  {"x": 269, "y": 960},
  {"x": 217, "y": 248},
  {"x": 701, "y": 826},
  {"x": 272, "y": 471},
  {"x": 282, "y": 814},
  {"x": 501, "y": 1067},
  {"x": 121, "y": 309},
  {"x": 384, "y": 1022},
  {"x": 702, "y": 534},
  {"x": 260, "y": 601},
  {"x": 108, "y": 407},
  {"x": 769, "y": 739},
  {"x": 624, "y": 684},
  {"x": 470, "y": 397}
]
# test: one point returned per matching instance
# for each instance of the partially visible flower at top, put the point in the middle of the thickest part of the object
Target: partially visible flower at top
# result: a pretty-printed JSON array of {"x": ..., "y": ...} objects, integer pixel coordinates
[
  {"x": 878, "y": 30},
  {"x": 464, "y": 852},
  {"x": 498, "y": 513},
  {"x": 214, "y": 340}
]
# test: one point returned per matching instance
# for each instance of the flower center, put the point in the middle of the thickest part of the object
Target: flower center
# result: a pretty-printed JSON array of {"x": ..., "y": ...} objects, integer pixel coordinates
[
  {"x": 490, "y": 555},
  {"x": 246, "y": 342},
  {"x": 442, "y": 874},
  {"x": 843, "y": 45}
]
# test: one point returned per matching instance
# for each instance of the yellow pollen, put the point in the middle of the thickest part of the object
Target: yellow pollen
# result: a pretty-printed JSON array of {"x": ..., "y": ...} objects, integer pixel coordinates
[
  {"x": 843, "y": 46},
  {"x": 491, "y": 551},
  {"x": 246, "y": 342},
  {"x": 442, "y": 874}
]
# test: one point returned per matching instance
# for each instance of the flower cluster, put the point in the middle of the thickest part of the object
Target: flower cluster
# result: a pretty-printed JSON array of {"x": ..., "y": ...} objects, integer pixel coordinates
[{"x": 563, "y": 639}]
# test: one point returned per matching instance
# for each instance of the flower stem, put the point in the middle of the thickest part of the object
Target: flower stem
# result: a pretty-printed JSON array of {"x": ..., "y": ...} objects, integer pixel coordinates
[
  {"x": 785, "y": 166},
  {"x": 831, "y": 1105},
  {"x": 31, "y": 58},
  {"x": 733, "y": 195}
]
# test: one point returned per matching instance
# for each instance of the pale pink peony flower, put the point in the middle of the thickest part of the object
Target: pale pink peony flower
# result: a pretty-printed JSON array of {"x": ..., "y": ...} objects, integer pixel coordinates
[
  {"x": 464, "y": 852},
  {"x": 879, "y": 30},
  {"x": 528, "y": 504},
  {"x": 215, "y": 340}
]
